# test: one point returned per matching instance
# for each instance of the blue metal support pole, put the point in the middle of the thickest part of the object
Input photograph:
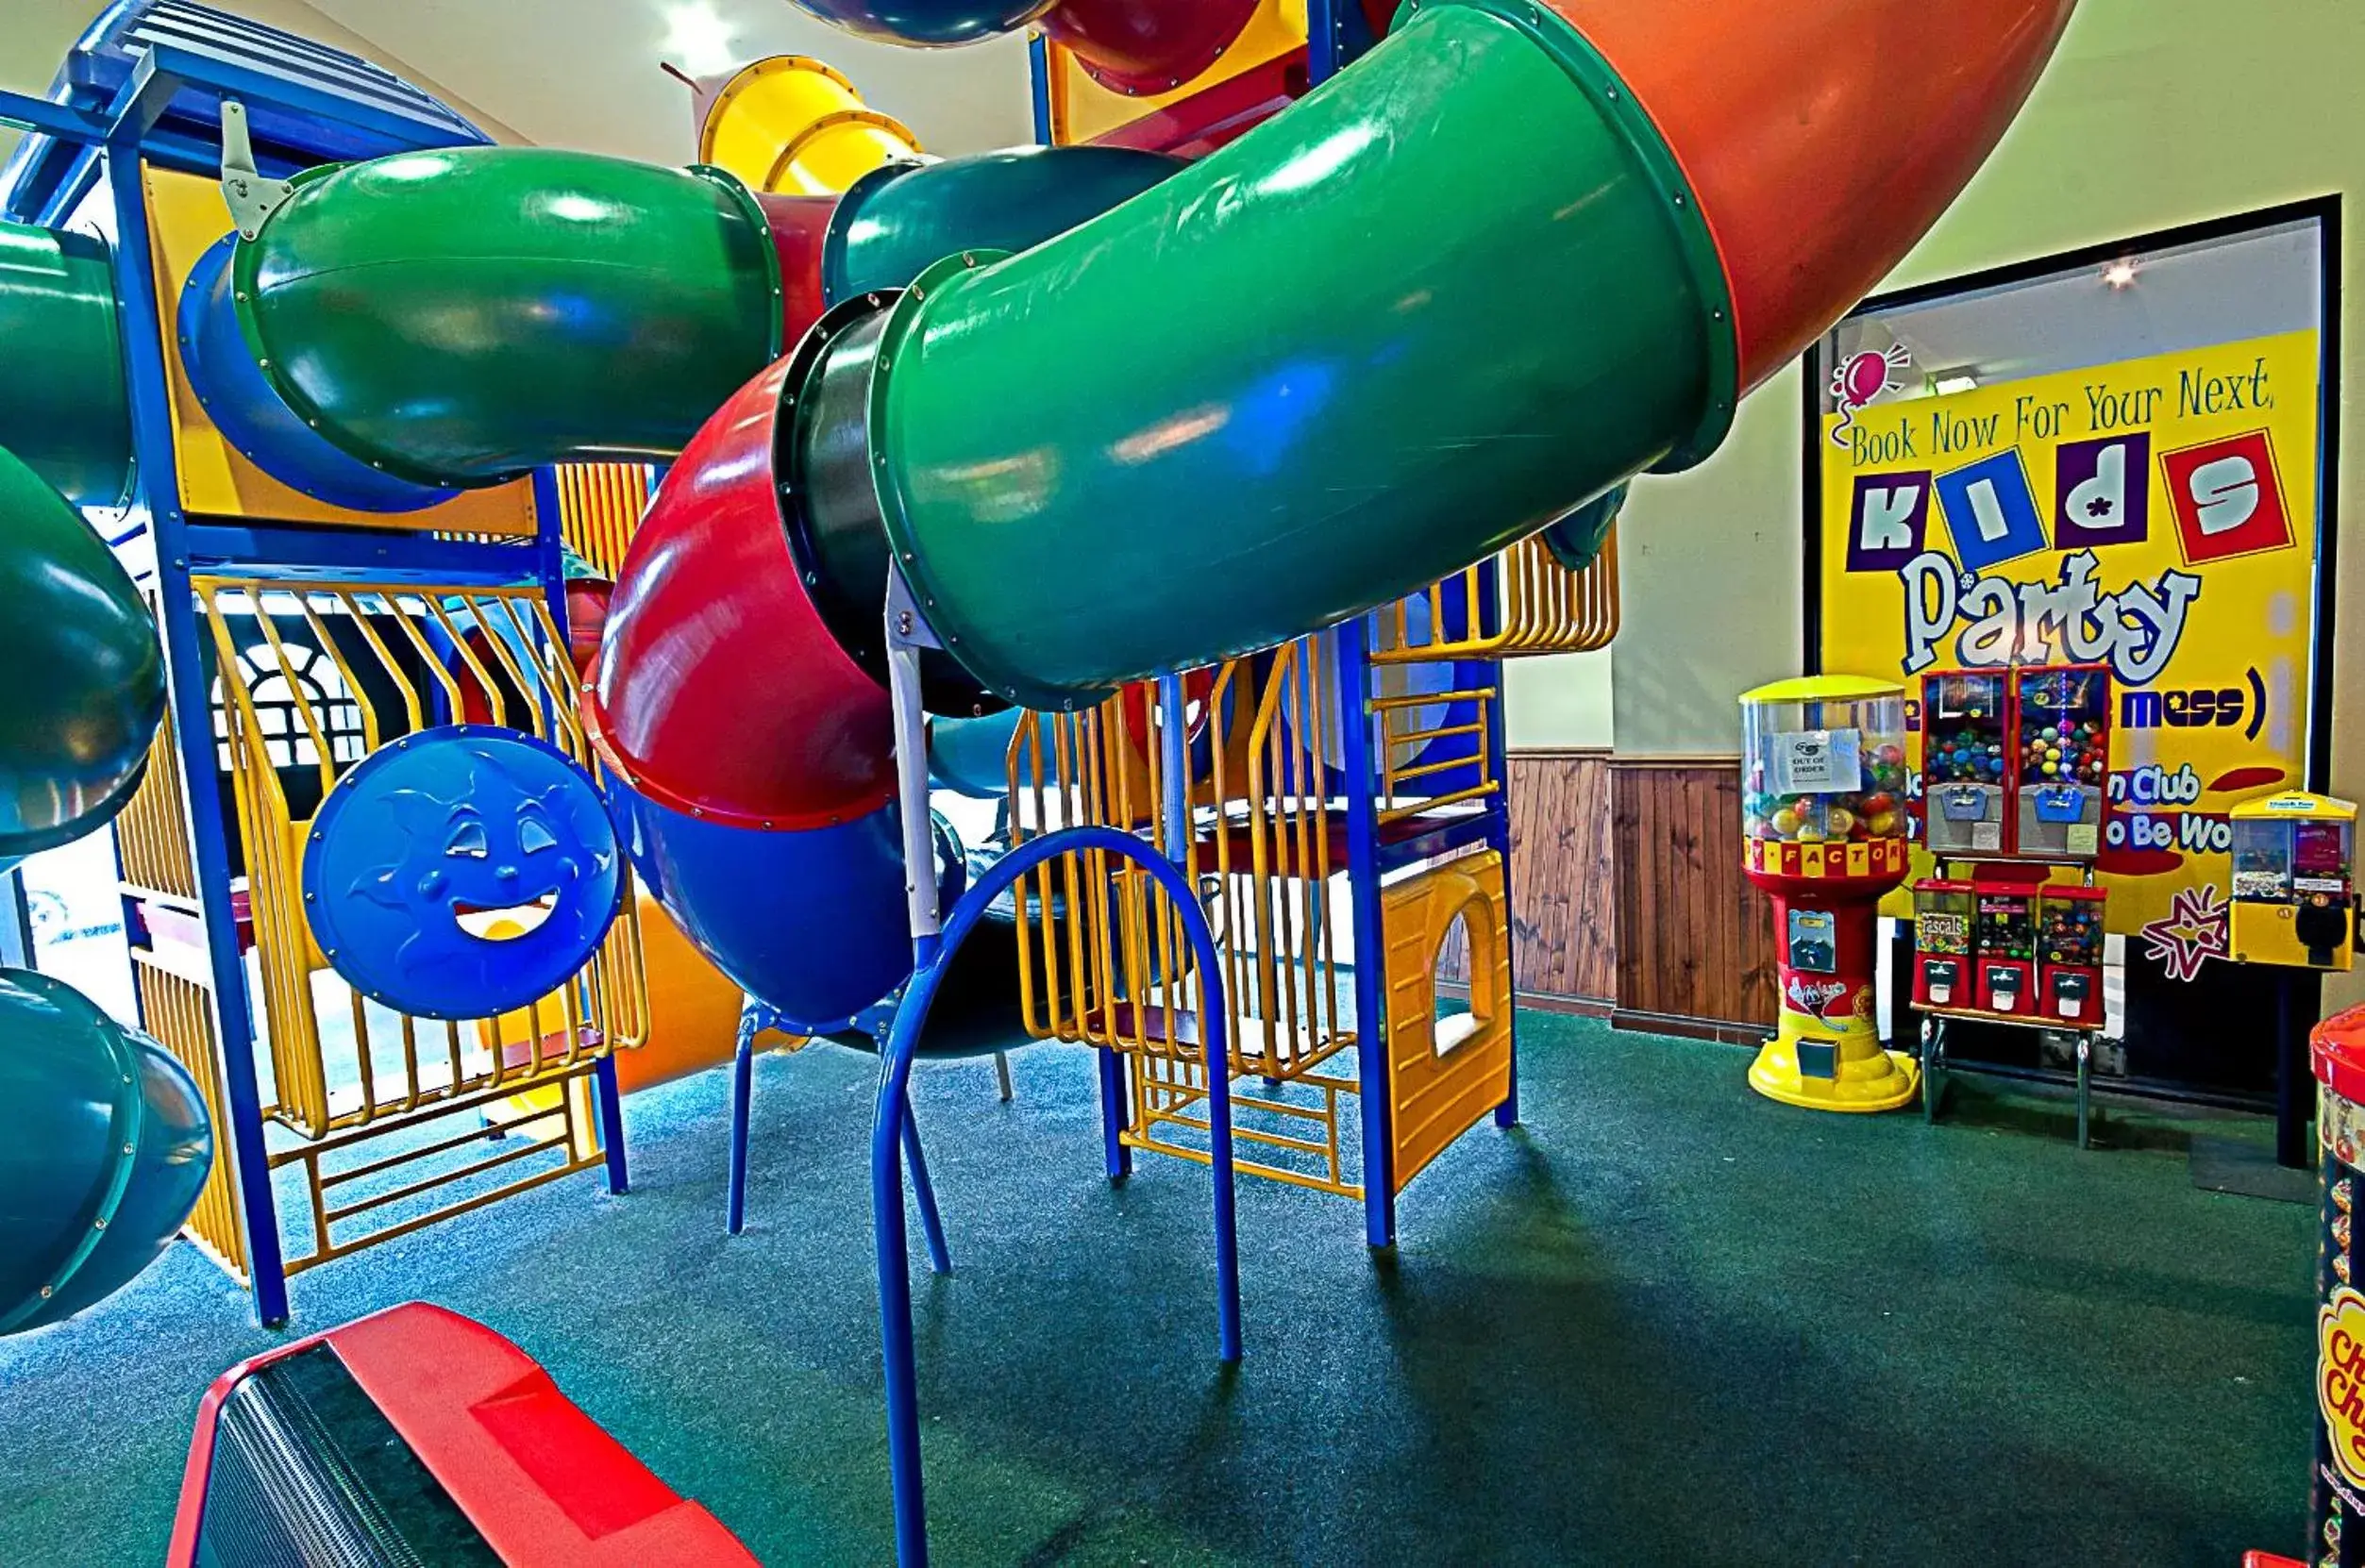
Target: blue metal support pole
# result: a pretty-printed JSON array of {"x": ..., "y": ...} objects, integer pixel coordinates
[
  {"x": 1116, "y": 1157},
  {"x": 1499, "y": 838},
  {"x": 546, "y": 559},
  {"x": 1039, "y": 76},
  {"x": 892, "y": 1113},
  {"x": 742, "y": 1097},
  {"x": 1370, "y": 935},
  {"x": 1117, "y": 1111},
  {"x": 932, "y": 1223},
  {"x": 1325, "y": 47},
  {"x": 610, "y": 1102},
  {"x": 190, "y": 686}
]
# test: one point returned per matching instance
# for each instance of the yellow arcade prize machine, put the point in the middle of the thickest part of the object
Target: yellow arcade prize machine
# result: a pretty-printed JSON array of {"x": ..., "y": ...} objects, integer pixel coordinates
[
  {"x": 2294, "y": 881},
  {"x": 1823, "y": 833}
]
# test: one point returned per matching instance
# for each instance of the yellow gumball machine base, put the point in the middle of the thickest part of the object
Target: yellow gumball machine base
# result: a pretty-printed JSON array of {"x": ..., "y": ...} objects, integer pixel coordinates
[{"x": 1823, "y": 1071}]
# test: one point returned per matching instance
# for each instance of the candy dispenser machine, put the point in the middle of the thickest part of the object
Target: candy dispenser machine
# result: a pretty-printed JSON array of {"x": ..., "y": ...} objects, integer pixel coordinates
[
  {"x": 2061, "y": 758},
  {"x": 2006, "y": 940},
  {"x": 1823, "y": 779},
  {"x": 2294, "y": 881},
  {"x": 1941, "y": 937},
  {"x": 2069, "y": 955},
  {"x": 1966, "y": 763}
]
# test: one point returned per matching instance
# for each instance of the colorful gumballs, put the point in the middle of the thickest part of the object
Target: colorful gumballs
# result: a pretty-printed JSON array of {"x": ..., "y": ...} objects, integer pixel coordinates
[{"x": 1786, "y": 822}]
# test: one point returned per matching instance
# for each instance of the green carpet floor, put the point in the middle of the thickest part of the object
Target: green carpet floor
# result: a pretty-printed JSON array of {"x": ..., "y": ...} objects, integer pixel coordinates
[{"x": 1665, "y": 1323}]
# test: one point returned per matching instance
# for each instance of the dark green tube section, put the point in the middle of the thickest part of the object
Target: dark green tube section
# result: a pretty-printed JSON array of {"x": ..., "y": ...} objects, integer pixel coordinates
[
  {"x": 84, "y": 679},
  {"x": 1453, "y": 292},
  {"x": 61, "y": 397},
  {"x": 897, "y": 220},
  {"x": 462, "y": 316}
]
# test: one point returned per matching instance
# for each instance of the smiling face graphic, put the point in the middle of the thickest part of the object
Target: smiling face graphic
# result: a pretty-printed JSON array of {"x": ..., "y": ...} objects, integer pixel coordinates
[
  {"x": 462, "y": 873},
  {"x": 500, "y": 875}
]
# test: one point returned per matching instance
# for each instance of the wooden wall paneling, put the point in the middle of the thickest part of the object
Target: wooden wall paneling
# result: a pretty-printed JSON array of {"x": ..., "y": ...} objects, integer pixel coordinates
[
  {"x": 1695, "y": 940},
  {"x": 1562, "y": 941},
  {"x": 1561, "y": 931}
]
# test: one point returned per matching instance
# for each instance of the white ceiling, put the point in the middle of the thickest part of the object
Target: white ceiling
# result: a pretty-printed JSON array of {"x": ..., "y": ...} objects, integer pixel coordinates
[
  {"x": 584, "y": 72},
  {"x": 2180, "y": 300}
]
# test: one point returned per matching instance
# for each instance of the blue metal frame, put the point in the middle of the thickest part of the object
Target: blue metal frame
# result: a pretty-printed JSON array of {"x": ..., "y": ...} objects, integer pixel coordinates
[
  {"x": 1368, "y": 861},
  {"x": 144, "y": 98},
  {"x": 166, "y": 80},
  {"x": 1363, "y": 872},
  {"x": 754, "y": 1018},
  {"x": 893, "y": 1109},
  {"x": 1039, "y": 74}
]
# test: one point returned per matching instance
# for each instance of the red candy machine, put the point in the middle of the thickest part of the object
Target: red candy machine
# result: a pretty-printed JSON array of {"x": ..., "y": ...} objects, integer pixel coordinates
[
  {"x": 2061, "y": 758},
  {"x": 2005, "y": 943},
  {"x": 1942, "y": 911},
  {"x": 2070, "y": 954}
]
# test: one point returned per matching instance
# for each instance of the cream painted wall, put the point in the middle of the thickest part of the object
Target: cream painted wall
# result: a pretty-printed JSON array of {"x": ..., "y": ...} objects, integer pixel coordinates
[
  {"x": 1561, "y": 701},
  {"x": 36, "y": 34},
  {"x": 1708, "y": 566},
  {"x": 2156, "y": 112}
]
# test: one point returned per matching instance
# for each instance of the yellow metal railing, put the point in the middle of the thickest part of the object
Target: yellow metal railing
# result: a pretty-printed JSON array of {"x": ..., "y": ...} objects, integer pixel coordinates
[
  {"x": 1102, "y": 955},
  {"x": 313, "y": 678},
  {"x": 1535, "y": 605},
  {"x": 599, "y": 507},
  {"x": 1100, "y": 946},
  {"x": 179, "y": 1013},
  {"x": 152, "y": 833}
]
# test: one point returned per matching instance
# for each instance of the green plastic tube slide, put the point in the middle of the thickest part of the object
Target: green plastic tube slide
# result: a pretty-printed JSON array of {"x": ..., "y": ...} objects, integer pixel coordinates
[
  {"x": 1454, "y": 293},
  {"x": 462, "y": 316},
  {"x": 62, "y": 408},
  {"x": 85, "y": 676}
]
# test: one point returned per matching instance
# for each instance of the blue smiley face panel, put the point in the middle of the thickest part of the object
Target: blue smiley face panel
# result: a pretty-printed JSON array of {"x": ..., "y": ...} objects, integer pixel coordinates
[{"x": 462, "y": 872}]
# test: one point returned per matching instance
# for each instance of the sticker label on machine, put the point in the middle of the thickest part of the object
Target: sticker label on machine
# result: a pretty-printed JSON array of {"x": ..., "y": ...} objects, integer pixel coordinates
[
  {"x": 1818, "y": 762},
  {"x": 2338, "y": 1496},
  {"x": 1813, "y": 945}
]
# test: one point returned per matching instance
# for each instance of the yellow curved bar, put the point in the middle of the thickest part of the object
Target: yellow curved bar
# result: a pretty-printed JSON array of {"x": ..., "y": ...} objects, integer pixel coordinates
[
  {"x": 833, "y": 152},
  {"x": 789, "y": 125}
]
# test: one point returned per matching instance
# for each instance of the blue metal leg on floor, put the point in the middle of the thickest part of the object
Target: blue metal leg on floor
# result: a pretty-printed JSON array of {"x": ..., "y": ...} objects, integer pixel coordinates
[
  {"x": 1498, "y": 839},
  {"x": 137, "y": 105},
  {"x": 1359, "y": 757},
  {"x": 610, "y": 1102},
  {"x": 1114, "y": 1152},
  {"x": 890, "y": 1122},
  {"x": 931, "y": 1224},
  {"x": 742, "y": 1097}
]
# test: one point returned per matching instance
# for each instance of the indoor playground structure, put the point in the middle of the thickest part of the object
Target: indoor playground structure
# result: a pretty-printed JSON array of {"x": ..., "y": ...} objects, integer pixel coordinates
[{"x": 1179, "y": 485}]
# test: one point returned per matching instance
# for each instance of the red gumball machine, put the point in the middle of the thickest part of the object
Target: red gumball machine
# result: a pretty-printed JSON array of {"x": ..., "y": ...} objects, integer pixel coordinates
[
  {"x": 1823, "y": 772},
  {"x": 2061, "y": 758},
  {"x": 2005, "y": 941},
  {"x": 2069, "y": 955},
  {"x": 1942, "y": 909},
  {"x": 1966, "y": 762}
]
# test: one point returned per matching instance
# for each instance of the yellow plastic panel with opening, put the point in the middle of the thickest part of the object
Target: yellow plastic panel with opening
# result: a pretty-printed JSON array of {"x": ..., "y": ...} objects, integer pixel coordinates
[{"x": 1445, "y": 1073}]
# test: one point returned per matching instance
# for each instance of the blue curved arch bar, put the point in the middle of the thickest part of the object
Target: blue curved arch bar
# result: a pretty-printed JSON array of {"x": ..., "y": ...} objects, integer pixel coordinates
[{"x": 893, "y": 1112}]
